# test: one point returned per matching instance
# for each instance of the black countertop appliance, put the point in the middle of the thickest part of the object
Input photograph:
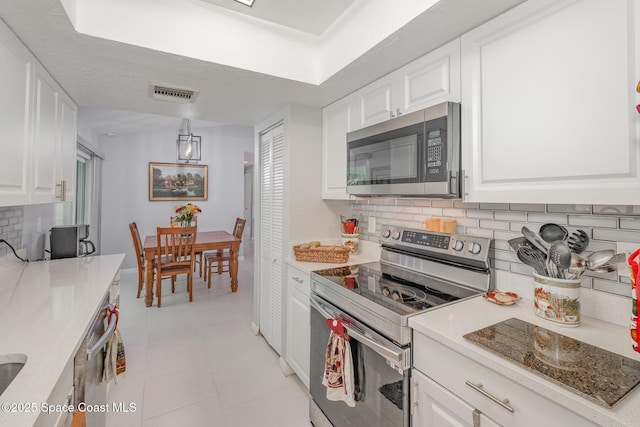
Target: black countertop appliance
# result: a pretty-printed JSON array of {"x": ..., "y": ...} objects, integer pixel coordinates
[{"x": 70, "y": 241}]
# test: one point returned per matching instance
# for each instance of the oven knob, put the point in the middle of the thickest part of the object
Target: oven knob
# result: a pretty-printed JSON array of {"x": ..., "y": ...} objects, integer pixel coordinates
[
  {"x": 386, "y": 233},
  {"x": 395, "y": 235},
  {"x": 475, "y": 248},
  {"x": 458, "y": 245}
]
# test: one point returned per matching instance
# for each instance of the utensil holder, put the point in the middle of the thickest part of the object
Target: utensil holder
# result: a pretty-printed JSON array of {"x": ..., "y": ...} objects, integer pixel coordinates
[
  {"x": 557, "y": 300},
  {"x": 351, "y": 242}
]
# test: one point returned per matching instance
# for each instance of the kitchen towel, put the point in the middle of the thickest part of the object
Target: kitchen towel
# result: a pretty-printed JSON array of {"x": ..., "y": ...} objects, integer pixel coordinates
[
  {"x": 338, "y": 374},
  {"x": 114, "y": 360}
]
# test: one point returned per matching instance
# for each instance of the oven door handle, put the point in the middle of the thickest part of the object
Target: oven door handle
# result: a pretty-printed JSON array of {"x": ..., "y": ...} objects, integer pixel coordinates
[{"x": 397, "y": 356}]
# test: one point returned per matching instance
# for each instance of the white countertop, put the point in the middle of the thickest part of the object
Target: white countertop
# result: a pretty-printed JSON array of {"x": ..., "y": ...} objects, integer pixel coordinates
[
  {"x": 45, "y": 310},
  {"x": 369, "y": 252},
  {"x": 448, "y": 325}
]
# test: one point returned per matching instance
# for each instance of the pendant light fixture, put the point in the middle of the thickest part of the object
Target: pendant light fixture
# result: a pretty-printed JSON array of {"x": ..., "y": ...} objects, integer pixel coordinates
[{"x": 188, "y": 146}]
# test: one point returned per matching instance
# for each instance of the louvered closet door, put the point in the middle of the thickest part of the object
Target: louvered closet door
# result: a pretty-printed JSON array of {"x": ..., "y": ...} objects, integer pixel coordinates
[{"x": 272, "y": 235}]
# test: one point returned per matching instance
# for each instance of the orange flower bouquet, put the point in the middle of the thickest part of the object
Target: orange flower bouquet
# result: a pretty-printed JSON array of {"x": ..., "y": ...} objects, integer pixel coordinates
[{"x": 185, "y": 215}]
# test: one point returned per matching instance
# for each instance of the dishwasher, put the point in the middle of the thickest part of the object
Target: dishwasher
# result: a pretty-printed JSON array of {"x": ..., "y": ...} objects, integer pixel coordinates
[{"x": 90, "y": 388}]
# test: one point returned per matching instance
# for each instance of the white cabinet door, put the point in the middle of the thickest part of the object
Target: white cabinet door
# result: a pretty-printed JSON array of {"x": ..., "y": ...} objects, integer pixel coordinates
[
  {"x": 337, "y": 120},
  {"x": 16, "y": 81},
  {"x": 298, "y": 326},
  {"x": 430, "y": 80},
  {"x": 272, "y": 231},
  {"x": 45, "y": 137},
  {"x": 436, "y": 406},
  {"x": 67, "y": 147},
  {"x": 548, "y": 104},
  {"x": 378, "y": 101}
]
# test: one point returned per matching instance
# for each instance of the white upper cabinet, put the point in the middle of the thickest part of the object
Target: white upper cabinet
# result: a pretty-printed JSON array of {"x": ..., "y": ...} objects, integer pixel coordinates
[
  {"x": 45, "y": 135},
  {"x": 430, "y": 80},
  {"x": 337, "y": 120},
  {"x": 427, "y": 81},
  {"x": 16, "y": 81},
  {"x": 548, "y": 104},
  {"x": 40, "y": 122},
  {"x": 67, "y": 148}
]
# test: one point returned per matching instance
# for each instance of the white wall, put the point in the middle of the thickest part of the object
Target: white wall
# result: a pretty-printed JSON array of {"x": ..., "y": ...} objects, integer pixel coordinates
[{"x": 125, "y": 193}]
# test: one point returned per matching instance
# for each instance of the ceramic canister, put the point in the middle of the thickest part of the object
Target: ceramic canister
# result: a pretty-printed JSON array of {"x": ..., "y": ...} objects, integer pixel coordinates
[
  {"x": 557, "y": 300},
  {"x": 351, "y": 241}
]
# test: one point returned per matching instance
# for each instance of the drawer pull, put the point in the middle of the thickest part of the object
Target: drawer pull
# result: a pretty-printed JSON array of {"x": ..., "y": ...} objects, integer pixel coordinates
[
  {"x": 502, "y": 402},
  {"x": 297, "y": 279}
]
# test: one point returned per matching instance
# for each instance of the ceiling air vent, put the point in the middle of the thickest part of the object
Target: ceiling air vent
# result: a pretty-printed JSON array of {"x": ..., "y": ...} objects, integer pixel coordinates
[{"x": 165, "y": 93}]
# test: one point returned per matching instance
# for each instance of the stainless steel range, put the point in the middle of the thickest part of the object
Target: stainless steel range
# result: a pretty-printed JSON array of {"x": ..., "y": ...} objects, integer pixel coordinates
[{"x": 418, "y": 271}]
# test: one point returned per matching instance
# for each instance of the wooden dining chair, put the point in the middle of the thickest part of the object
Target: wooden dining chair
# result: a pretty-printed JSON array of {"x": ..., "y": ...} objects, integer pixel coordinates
[
  {"x": 175, "y": 256},
  {"x": 137, "y": 244},
  {"x": 222, "y": 258}
]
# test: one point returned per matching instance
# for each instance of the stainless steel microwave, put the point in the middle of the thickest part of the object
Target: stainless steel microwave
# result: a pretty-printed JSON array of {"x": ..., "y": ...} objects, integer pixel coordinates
[{"x": 416, "y": 154}]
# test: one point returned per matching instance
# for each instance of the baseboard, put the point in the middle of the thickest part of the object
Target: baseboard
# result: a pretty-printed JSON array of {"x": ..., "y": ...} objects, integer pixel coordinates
[
  {"x": 255, "y": 328},
  {"x": 285, "y": 368}
]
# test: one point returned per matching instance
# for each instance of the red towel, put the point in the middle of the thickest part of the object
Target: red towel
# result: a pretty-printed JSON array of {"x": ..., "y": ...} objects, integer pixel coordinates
[{"x": 338, "y": 374}]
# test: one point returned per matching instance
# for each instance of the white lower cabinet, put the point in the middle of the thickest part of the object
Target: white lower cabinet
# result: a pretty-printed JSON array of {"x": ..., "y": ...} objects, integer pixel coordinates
[
  {"x": 298, "y": 326},
  {"x": 434, "y": 405},
  {"x": 453, "y": 390}
]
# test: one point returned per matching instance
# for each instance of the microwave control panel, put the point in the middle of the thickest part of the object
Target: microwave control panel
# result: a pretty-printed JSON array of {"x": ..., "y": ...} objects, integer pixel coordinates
[{"x": 436, "y": 152}]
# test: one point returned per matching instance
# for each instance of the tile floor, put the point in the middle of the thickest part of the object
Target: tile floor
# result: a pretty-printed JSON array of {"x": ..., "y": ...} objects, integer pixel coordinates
[{"x": 199, "y": 363}]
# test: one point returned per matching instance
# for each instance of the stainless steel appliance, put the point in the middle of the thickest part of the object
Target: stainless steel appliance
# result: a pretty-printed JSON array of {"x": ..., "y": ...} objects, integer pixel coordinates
[
  {"x": 418, "y": 271},
  {"x": 90, "y": 389},
  {"x": 70, "y": 241},
  {"x": 416, "y": 154}
]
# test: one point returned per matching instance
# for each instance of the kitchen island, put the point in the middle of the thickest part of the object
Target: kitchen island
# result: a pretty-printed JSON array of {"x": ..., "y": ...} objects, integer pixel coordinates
[
  {"x": 448, "y": 325},
  {"x": 45, "y": 310}
]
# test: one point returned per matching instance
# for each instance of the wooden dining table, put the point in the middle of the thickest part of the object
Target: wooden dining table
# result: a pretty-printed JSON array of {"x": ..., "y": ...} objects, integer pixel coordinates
[{"x": 205, "y": 241}]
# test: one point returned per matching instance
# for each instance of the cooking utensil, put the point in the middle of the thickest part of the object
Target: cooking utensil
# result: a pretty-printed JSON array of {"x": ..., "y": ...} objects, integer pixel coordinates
[
  {"x": 518, "y": 242},
  {"x": 577, "y": 267},
  {"x": 615, "y": 260},
  {"x": 599, "y": 258},
  {"x": 578, "y": 241},
  {"x": 535, "y": 240},
  {"x": 533, "y": 257},
  {"x": 551, "y": 233},
  {"x": 560, "y": 255}
]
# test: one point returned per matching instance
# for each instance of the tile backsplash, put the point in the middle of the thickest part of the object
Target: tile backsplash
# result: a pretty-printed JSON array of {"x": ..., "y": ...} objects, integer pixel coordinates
[
  {"x": 605, "y": 225},
  {"x": 11, "y": 228}
]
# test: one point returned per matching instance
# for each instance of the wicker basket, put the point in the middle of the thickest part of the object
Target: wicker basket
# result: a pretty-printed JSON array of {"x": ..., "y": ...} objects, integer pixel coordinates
[{"x": 321, "y": 254}]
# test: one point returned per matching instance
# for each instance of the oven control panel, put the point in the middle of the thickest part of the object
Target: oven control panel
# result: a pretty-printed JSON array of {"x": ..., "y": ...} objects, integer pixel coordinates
[{"x": 458, "y": 245}]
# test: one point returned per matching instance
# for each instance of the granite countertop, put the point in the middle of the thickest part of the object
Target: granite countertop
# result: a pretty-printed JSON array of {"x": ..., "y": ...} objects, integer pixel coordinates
[
  {"x": 45, "y": 310},
  {"x": 448, "y": 326}
]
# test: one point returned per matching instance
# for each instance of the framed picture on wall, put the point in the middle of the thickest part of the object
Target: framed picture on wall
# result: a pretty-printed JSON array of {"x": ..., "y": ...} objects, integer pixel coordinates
[{"x": 177, "y": 181}]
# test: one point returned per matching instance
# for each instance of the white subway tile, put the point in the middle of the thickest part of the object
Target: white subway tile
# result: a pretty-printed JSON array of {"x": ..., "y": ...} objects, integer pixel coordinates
[
  {"x": 630, "y": 223},
  {"x": 510, "y": 216},
  {"x": 458, "y": 213},
  {"x": 494, "y": 206},
  {"x": 616, "y": 235},
  {"x": 582, "y": 209},
  {"x": 616, "y": 210},
  {"x": 527, "y": 207},
  {"x": 594, "y": 221},
  {"x": 442, "y": 203},
  {"x": 480, "y": 214},
  {"x": 494, "y": 225},
  {"x": 464, "y": 205},
  {"x": 612, "y": 288},
  {"x": 432, "y": 211},
  {"x": 547, "y": 217}
]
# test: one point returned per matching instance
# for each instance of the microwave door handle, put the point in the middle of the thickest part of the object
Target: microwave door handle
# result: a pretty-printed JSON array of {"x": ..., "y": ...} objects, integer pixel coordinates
[
  {"x": 397, "y": 357},
  {"x": 454, "y": 188}
]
